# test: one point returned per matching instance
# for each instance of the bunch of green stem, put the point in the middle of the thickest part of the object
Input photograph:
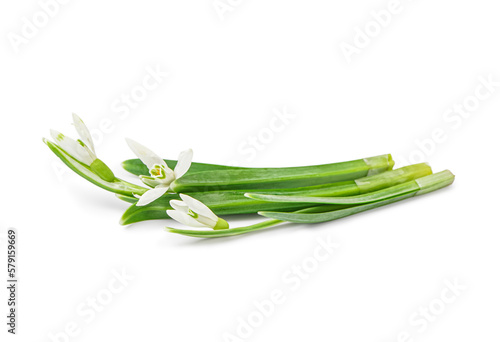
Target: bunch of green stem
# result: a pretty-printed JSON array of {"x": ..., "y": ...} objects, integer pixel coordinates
[
  {"x": 233, "y": 202},
  {"x": 306, "y": 194}
]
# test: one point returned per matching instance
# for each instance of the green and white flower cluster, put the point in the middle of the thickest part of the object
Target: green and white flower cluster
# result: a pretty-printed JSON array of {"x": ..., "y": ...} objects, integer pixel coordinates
[
  {"x": 196, "y": 194},
  {"x": 160, "y": 175}
]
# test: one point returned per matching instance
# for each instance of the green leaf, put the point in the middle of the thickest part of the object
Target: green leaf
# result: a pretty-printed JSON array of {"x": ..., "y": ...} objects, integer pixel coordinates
[
  {"x": 332, "y": 215},
  {"x": 379, "y": 195},
  {"x": 277, "y": 178}
]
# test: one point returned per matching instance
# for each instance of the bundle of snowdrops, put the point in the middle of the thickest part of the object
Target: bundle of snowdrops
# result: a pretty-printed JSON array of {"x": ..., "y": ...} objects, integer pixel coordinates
[{"x": 197, "y": 194}]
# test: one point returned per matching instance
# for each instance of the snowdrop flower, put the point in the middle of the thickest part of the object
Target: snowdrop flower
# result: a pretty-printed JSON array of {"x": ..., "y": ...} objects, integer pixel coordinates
[
  {"x": 192, "y": 212},
  {"x": 83, "y": 149},
  {"x": 161, "y": 175}
]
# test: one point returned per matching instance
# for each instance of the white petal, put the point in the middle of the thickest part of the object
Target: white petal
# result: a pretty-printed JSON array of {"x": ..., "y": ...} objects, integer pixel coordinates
[
  {"x": 148, "y": 157},
  {"x": 170, "y": 176},
  {"x": 83, "y": 132},
  {"x": 206, "y": 221},
  {"x": 179, "y": 205},
  {"x": 151, "y": 195},
  {"x": 72, "y": 147},
  {"x": 184, "y": 218},
  {"x": 183, "y": 163},
  {"x": 198, "y": 207}
]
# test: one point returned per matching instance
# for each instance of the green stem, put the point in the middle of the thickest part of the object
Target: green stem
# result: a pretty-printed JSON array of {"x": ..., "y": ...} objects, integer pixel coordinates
[
  {"x": 276, "y": 178},
  {"x": 325, "y": 212},
  {"x": 425, "y": 185},
  {"x": 428, "y": 183},
  {"x": 243, "y": 230},
  {"x": 348, "y": 188},
  {"x": 225, "y": 232},
  {"x": 379, "y": 195}
]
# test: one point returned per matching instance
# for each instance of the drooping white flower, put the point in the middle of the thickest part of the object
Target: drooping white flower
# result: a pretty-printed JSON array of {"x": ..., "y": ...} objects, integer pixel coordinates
[
  {"x": 194, "y": 213},
  {"x": 161, "y": 175},
  {"x": 81, "y": 149}
]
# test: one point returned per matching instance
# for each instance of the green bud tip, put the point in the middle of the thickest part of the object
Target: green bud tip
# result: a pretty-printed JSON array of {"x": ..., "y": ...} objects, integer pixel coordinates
[
  {"x": 102, "y": 170},
  {"x": 221, "y": 224}
]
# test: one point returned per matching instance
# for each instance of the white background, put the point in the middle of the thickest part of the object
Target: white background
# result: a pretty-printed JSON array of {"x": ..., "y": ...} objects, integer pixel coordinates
[{"x": 228, "y": 77}]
